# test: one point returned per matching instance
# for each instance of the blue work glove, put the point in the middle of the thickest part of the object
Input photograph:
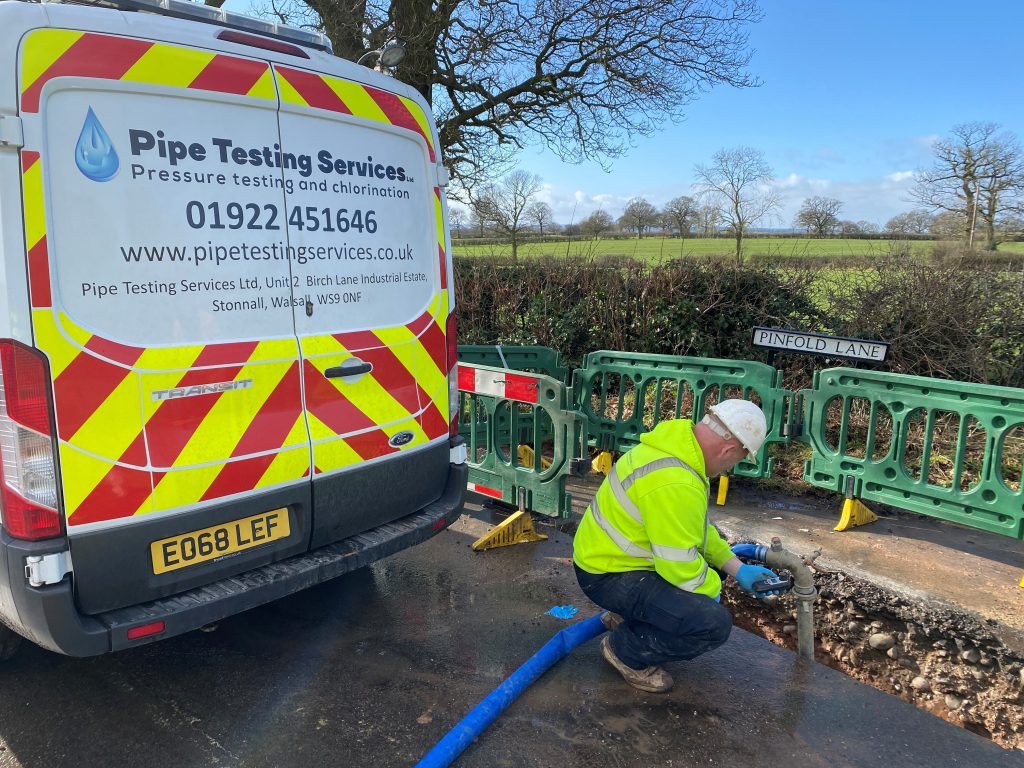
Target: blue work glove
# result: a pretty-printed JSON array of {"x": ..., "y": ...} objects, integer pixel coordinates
[{"x": 748, "y": 574}]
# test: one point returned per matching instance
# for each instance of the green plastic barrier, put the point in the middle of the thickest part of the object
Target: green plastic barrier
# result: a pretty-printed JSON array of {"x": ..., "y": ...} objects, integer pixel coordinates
[
  {"x": 522, "y": 435},
  {"x": 518, "y": 358},
  {"x": 624, "y": 394},
  {"x": 946, "y": 449}
]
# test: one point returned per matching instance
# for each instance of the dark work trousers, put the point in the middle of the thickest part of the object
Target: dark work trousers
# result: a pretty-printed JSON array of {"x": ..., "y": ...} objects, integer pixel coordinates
[{"x": 662, "y": 622}]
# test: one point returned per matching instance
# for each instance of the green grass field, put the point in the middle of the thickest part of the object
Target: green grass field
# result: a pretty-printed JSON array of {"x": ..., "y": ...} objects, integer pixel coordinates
[{"x": 657, "y": 248}]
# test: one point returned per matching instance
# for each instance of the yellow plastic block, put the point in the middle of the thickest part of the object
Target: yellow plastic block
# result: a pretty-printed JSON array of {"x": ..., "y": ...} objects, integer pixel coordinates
[
  {"x": 723, "y": 489},
  {"x": 854, "y": 513},
  {"x": 516, "y": 529},
  {"x": 602, "y": 463}
]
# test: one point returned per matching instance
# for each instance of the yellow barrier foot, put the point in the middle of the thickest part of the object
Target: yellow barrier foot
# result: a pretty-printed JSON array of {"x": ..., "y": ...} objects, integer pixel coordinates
[
  {"x": 515, "y": 529},
  {"x": 723, "y": 489},
  {"x": 525, "y": 453},
  {"x": 1022, "y": 582},
  {"x": 602, "y": 463},
  {"x": 854, "y": 513}
]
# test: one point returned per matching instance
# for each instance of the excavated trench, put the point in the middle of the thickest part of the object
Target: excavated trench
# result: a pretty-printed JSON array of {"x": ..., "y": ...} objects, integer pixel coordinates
[{"x": 939, "y": 660}]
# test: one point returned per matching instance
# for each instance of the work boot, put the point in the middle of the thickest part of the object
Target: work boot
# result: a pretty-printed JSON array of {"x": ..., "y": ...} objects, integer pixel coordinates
[
  {"x": 611, "y": 620},
  {"x": 653, "y": 679}
]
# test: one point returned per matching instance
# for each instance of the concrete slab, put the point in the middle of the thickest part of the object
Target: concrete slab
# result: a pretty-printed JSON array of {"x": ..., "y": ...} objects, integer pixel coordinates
[{"x": 374, "y": 668}]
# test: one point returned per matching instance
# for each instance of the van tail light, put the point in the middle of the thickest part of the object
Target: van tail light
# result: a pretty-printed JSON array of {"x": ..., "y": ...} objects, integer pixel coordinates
[
  {"x": 453, "y": 376},
  {"x": 29, "y": 505}
]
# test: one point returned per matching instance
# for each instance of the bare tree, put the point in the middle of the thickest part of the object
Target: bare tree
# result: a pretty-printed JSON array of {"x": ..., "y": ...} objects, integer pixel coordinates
[
  {"x": 1012, "y": 225},
  {"x": 479, "y": 208},
  {"x": 737, "y": 182},
  {"x": 708, "y": 220},
  {"x": 947, "y": 226},
  {"x": 819, "y": 215},
  {"x": 505, "y": 204},
  {"x": 638, "y": 217},
  {"x": 458, "y": 218},
  {"x": 577, "y": 76},
  {"x": 867, "y": 227},
  {"x": 848, "y": 228},
  {"x": 541, "y": 215},
  {"x": 597, "y": 223},
  {"x": 680, "y": 214},
  {"x": 978, "y": 174},
  {"x": 915, "y": 222}
]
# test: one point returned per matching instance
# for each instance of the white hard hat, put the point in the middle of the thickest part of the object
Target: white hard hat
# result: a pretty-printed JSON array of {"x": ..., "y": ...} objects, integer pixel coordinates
[{"x": 745, "y": 421}]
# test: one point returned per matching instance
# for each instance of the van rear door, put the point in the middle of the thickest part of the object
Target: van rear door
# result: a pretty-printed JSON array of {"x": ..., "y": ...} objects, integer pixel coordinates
[
  {"x": 364, "y": 220},
  {"x": 161, "y": 291}
]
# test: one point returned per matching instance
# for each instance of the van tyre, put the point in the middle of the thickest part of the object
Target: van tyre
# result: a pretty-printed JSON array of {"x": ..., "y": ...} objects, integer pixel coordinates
[{"x": 9, "y": 642}]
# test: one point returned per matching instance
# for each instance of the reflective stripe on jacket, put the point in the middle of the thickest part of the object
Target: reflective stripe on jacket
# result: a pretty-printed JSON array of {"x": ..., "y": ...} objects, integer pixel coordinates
[{"x": 650, "y": 513}]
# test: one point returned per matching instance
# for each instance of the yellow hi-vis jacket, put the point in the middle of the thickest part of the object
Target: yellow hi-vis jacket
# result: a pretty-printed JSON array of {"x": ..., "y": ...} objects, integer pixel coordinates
[{"x": 650, "y": 513}]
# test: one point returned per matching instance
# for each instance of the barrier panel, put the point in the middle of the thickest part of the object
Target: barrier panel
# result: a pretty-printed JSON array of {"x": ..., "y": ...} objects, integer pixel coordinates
[
  {"x": 522, "y": 433},
  {"x": 530, "y": 359},
  {"x": 946, "y": 449},
  {"x": 625, "y": 394}
]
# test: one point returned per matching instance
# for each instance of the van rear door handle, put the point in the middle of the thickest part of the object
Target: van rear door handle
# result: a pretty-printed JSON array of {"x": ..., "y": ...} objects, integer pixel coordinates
[{"x": 344, "y": 371}]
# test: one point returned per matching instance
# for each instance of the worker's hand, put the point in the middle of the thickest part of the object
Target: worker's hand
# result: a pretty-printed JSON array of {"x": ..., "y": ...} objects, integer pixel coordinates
[{"x": 748, "y": 574}]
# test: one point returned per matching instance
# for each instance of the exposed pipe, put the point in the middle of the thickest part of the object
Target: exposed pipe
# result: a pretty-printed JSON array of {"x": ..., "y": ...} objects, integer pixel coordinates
[
  {"x": 484, "y": 713},
  {"x": 803, "y": 586}
]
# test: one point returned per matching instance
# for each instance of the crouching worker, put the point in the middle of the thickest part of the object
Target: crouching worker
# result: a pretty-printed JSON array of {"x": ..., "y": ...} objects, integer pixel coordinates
[{"x": 643, "y": 549}]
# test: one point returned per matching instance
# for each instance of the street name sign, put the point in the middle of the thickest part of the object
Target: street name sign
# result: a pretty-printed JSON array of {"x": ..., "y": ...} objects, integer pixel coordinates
[{"x": 820, "y": 344}]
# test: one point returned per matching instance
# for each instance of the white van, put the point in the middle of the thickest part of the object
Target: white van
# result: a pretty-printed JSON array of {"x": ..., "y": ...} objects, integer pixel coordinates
[{"x": 226, "y": 320}]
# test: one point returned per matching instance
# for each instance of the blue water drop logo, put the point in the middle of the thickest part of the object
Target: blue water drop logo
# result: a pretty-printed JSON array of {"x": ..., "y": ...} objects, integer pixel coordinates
[{"x": 95, "y": 155}]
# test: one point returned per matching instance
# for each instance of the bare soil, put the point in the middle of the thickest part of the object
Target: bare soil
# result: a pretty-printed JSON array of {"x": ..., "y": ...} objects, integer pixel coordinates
[{"x": 943, "y": 662}]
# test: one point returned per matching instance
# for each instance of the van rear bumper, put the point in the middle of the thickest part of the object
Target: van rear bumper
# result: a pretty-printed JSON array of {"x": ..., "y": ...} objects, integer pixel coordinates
[{"x": 48, "y": 616}]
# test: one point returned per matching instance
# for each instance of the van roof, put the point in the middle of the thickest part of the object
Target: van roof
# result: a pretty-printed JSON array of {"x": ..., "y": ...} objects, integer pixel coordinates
[{"x": 183, "y": 9}]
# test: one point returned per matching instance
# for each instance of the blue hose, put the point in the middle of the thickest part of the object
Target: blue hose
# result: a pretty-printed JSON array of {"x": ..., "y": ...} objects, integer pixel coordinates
[
  {"x": 473, "y": 724},
  {"x": 755, "y": 552}
]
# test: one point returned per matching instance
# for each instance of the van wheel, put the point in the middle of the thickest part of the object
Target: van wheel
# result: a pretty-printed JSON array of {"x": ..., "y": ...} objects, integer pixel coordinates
[{"x": 9, "y": 642}]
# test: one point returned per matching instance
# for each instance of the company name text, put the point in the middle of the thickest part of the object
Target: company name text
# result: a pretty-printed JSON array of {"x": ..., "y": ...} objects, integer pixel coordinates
[{"x": 146, "y": 144}]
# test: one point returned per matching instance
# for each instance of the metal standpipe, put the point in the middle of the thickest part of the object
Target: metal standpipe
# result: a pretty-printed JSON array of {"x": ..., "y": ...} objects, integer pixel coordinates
[{"x": 803, "y": 586}]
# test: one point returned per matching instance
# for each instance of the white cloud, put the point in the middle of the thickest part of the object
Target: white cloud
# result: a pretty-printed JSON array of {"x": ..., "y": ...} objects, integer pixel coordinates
[{"x": 874, "y": 199}]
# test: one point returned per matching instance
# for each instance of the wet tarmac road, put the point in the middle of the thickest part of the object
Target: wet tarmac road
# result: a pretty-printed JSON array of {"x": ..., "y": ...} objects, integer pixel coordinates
[{"x": 372, "y": 669}]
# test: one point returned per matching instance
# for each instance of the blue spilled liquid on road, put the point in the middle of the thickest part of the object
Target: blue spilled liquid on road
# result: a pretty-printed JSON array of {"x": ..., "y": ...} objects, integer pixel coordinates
[{"x": 562, "y": 611}]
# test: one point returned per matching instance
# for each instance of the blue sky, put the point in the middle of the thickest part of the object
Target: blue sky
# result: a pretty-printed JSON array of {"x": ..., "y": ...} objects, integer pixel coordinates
[{"x": 854, "y": 93}]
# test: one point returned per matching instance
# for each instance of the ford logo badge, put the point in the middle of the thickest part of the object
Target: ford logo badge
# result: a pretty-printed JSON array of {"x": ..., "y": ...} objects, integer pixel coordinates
[{"x": 400, "y": 439}]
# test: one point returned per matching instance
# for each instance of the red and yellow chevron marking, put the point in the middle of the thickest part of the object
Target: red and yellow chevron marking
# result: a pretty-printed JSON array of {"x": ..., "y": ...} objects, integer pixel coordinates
[
  {"x": 432, "y": 365},
  {"x": 125, "y": 453},
  {"x": 439, "y": 227},
  {"x": 349, "y": 98},
  {"x": 122, "y": 452},
  {"x": 53, "y": 53},
  {"x": 405, "y": 391}
]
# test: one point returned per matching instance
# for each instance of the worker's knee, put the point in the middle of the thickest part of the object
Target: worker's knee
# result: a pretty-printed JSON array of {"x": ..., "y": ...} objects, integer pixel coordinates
[{"x": 719, "y": 625}]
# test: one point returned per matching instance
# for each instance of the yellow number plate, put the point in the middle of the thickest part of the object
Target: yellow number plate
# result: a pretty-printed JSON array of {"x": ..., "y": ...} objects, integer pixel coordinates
[{"x": 218, "y": 540}]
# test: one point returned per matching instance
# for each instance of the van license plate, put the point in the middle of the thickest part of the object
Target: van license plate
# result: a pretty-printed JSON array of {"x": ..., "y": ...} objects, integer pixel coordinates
[{"x": 219, "y": 540}]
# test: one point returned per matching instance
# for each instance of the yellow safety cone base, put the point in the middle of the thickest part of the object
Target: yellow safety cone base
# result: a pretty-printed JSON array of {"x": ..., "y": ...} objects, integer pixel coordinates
[
  {"x": 602, "y": 463},
  {"x": 723, "y": 489},
  {"x": 854, "y": 513},
  {"x": 516, "y": 529}
]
